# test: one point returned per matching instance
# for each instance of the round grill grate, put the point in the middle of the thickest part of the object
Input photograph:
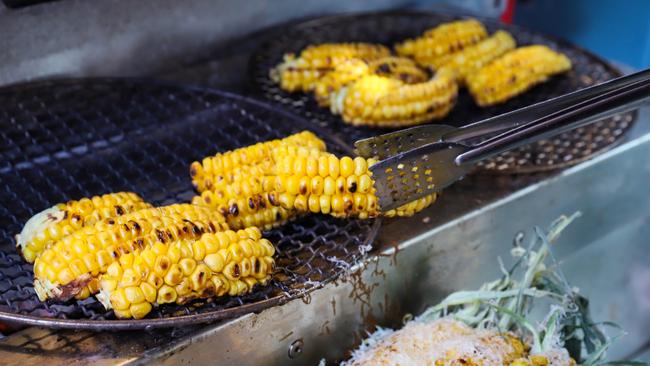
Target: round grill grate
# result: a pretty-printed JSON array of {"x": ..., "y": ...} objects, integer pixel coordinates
[
  {"x": 391, "y": 27},
  {"x": 71, "y": 139}
]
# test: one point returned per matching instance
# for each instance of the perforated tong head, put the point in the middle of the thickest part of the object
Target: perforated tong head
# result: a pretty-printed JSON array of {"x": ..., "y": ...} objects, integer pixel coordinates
[{"x": 421, "y": 160}]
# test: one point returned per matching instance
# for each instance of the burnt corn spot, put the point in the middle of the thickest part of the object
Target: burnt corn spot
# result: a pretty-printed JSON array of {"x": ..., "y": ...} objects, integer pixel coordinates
[
  {"x": 223, "y": 211},
  {"x": 384, "y": 68},
  {"x": 261, "y": 202},
  {"x": 186, "y": 229},
  {"x": 353, "y": 187},
  {"x": 251, "y": 203},
  {"x": 136, "y": 226},
  {"x": 278, "y": 216},
  {"x": 273, "y": 200},
  {"x": 303, "y": 188},
  {"x": 196, "y": 230},
  {"x": 119, "y": 210},
  {"x": 233, "y": 209},
  {"x": 207, "y": 199},
  {"x": 75, "y": 218},
  {"x": 236, "y": 271},
  {"x": 140, "y": 243},
  {"x": 212, "y": 228},
  {"x": 256, "y": 265},
  {"x": 160, "y": 235},
  {"x": 126, "y": 227},
  {"x": 111, "y": 221}
]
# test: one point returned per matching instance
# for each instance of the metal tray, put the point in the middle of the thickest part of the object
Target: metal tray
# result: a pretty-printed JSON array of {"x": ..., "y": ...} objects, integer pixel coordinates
[
  {"x": 393, "y": 26},
  {"x": 68, "y": 139}
]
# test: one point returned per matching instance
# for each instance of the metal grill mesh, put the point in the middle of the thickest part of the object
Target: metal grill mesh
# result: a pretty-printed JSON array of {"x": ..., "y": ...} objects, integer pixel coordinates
[
  {"x": 391, "y": 27},
  {"x": 71, "y": 139}
]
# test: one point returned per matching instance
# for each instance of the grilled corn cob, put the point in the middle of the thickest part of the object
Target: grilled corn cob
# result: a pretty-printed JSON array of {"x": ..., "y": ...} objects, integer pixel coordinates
[
  {"x": 341, "y": 187},
  {"x": 442, "y": 40},
  {"x": 251, "y": 160},
  {"x": 514, "y": 73},
  {"x": 301, "y": 73},
  {"x": 52, "y": 224},
  {"x": 383, "y": 102},
  {"x": 217, "y": 264},
  {"x": 70, "y": 267},
  {"x": 398, "y": 68},
  {"x": 473, "y": 57}
]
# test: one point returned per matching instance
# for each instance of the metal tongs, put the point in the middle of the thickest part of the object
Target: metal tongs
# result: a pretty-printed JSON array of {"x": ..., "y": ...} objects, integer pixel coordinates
[{"x": 421, "y": 160}]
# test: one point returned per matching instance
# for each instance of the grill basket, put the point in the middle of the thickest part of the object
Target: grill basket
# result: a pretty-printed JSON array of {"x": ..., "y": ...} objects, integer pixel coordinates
[
  {"x": 70, "y": 139},
  {"x": 393, "y": 26}
]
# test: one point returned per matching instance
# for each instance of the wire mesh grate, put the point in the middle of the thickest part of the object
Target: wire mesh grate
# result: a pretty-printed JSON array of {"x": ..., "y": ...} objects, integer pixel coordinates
[
  {"x": 70, "y": 139},
  {"x": 393, "y": 26}
]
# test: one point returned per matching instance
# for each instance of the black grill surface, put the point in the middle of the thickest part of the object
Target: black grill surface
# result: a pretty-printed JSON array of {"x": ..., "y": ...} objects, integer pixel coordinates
[
  {"x": 391, "y": 27},
  {"x": 65, "y": 140}
]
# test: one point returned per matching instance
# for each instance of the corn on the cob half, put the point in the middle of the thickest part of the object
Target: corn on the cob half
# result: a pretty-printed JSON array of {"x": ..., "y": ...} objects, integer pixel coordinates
[
  {"x": 399, "y": 68},
  {"x": 70, "y": 267},
  {"x": 514, "y": 73},
  {"x": 52, "y": 224},
  {"x": 442, "y": 40},
  {"x": 383, "y": 102},
  {"x": 246, "y": 161},
  {"x": 217, "y": 264},
  {"x": 341, "y": 187},
  {"x": 473, "y": 57},
  {"x": 301, "y": 73}
]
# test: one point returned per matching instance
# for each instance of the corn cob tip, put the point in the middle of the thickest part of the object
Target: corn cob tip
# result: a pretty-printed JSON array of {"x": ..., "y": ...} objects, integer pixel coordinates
[{"x": 35, "y": 225}]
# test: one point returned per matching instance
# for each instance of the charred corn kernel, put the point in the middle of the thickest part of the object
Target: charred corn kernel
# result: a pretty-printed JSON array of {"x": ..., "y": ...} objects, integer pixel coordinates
[
  {"x": 301, "y": 73},
  {"x": 245, "y": 162},
  {"x": 472, "y": 58},
  {"x": 50, "y": 225},
  {"x": 399, "y": 68},
  {"x": 140, "y": 310},
  {"x": 382, "y": 102},
  {"x": 112, "y": 240},
  {"x": 260, "y": 210},
  {"x": 351, "y": 194},
  {"x": 442, "y": 40},
  {"x": 514, "y": 73},
  {"x": 233, "y": 262}
]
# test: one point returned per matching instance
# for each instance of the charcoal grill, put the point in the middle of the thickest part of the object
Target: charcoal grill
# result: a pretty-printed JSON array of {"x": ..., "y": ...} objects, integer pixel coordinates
[
  {"x": 393, "y": 26},
  {"x": 67, "y": 139}
]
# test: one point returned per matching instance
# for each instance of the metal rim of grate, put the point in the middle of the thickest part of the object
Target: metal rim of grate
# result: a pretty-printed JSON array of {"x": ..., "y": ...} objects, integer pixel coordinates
[
  {"x": 67, "y": 139},
  {"x": 392, "y": 26}
]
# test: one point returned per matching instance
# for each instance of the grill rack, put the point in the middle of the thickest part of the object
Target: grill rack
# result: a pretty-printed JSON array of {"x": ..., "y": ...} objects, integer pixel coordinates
[
  {"x": 62, "y": 140},
  {"x": 389, "y": 27}
]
